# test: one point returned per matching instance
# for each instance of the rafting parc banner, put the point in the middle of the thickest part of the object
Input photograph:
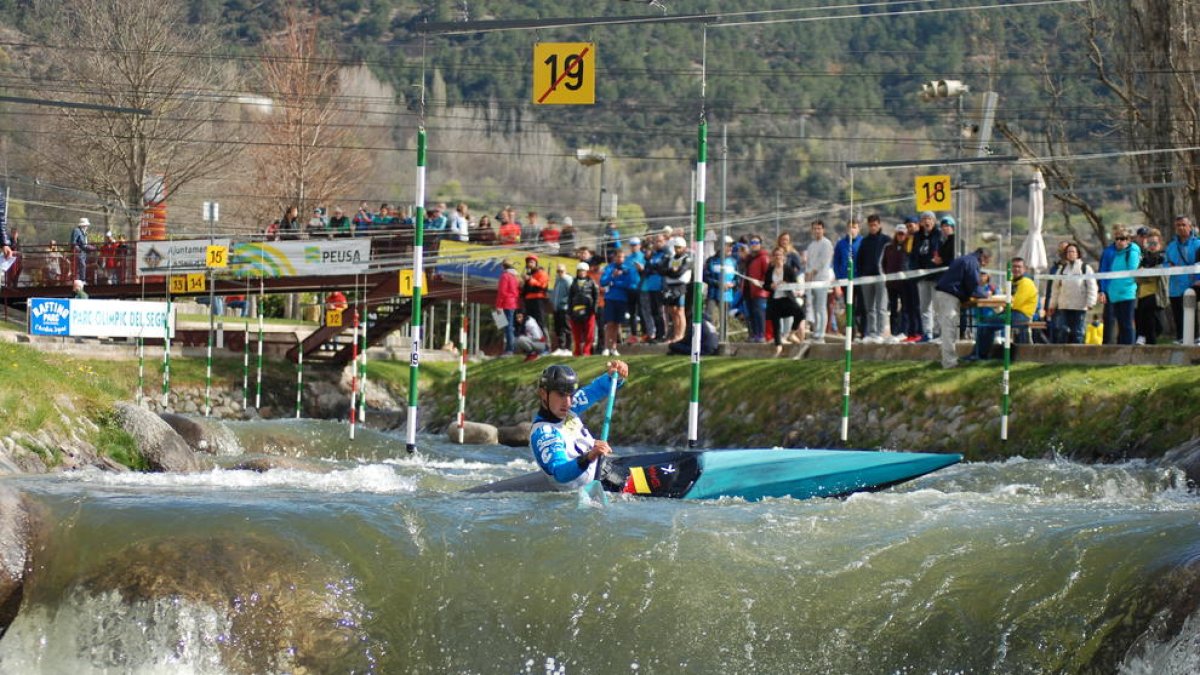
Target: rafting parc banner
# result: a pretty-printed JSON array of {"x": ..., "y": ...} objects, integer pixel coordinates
[
  {"x": 300, "y": 258},
  {"x": 479, "y": 261},
  {"x": 65, "y": 317}
]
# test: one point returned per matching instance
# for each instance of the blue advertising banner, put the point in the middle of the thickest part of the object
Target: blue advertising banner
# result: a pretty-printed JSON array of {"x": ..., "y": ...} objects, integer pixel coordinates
[{"x": 99, "y": 318}]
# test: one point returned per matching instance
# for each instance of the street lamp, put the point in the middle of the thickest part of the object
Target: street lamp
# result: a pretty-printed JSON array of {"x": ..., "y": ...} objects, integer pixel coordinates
[{"x": 589, "y": 157}]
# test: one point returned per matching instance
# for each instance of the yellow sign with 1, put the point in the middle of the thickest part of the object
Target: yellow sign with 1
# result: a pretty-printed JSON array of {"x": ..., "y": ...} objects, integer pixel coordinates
[
  {"x": 177, "y": 284},
  {"x": 933, "y": 193},
  {"x": 406, "y": 282},
  {"x": 333, "y": 318},
  {"x": 564, "y": 73}
]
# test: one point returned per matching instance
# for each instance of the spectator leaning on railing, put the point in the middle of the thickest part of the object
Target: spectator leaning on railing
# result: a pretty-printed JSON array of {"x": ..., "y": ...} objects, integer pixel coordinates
[{"x": 955, "y": 287}]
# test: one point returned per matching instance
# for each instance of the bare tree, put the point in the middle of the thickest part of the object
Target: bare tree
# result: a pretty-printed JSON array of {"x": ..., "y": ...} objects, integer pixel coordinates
[
  {"x": 137, "y": 54},
  {"x": 307, "y": 155}
]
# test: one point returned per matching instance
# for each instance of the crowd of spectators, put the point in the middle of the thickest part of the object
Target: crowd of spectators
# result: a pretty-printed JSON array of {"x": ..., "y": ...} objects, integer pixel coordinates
[{"x": 637, "y": 290}]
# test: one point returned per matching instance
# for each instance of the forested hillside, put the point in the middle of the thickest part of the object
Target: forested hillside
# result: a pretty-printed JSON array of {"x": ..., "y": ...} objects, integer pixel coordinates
[{"x": 799, "y": 92}]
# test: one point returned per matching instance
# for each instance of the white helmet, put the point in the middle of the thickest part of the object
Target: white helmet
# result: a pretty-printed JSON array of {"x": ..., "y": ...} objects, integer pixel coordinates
[
  {"x": 678, "y": 242},
  {"x": 582, "y": 267}
]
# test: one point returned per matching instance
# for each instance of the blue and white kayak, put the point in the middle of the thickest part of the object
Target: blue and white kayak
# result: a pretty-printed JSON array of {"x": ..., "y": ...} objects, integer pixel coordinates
[{"x": 750, "y": 473}]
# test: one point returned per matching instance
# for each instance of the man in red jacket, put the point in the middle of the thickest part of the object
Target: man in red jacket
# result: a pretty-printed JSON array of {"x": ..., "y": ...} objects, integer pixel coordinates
[
  {"x": 535, "y": 291},
  {"x": 508, "y": 299},
  {"x": 756, "y": 295}
]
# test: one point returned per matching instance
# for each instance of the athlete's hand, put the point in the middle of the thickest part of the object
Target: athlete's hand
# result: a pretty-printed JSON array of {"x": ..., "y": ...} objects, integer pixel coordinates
[
  {"x": 599, "y": 449},
  {"x": 620, "y": 368}
]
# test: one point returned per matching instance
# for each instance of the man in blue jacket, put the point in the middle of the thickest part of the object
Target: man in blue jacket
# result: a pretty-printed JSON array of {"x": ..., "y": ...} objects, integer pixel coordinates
[
  {"x": 954, "y": 288},
  {"x": 844, "y": 251},
  {"x": 619, "y": 277},
  {"x": 1182, "y": 251},
  {"x": 562, "y": 446}
]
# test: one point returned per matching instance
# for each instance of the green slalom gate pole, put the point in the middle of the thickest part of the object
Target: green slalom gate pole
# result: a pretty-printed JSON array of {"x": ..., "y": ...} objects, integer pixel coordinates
[
  {"x": 258, "y": 378},
  {"x": 414, "y": 364},
  {"x": 1005, "y": 398},
  {"x": 697, "y": 283},
  {"x": 299, "y": 377},
  {"x": 362, "y": 377},
  {"x": 141, "y": 348},
  {"x": 208, "y": 356},
  {"x": 849, "y": 327},
  {"x": 246, "y": 362},
  {"x": 166, "y": 388}
]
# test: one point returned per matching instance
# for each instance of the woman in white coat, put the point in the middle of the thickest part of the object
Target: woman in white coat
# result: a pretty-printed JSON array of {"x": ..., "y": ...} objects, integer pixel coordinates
[{"x": 1071, "y": 298}]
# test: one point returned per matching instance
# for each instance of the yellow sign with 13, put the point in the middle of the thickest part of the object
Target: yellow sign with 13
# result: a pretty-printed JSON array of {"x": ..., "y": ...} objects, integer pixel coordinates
[
  {"x": 564, "y": 73},
  {"x": 933, "y": 193}
]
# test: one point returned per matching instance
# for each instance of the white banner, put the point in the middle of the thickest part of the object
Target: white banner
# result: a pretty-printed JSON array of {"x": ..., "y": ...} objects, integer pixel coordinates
[
  {"x": 314, "y": 257},
  {"x": 183, "y": 255},
  {"x": 100, "y": 318}
]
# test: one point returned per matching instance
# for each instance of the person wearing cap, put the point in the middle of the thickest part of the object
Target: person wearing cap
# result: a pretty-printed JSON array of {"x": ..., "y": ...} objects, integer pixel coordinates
[
  {"x": 677, "y": 276},
  {"x": 720, "y": 277},
  {"x": 818, "y": 268},
  {"x": 955, "y": 287},
  {"x": 946, "y": 253},
  {"x": 508, "y": 299},
  {"x": 582, "y": 298},
  {"x": 562, "y": 446},
  {"x": 925, "y": 246},
  {"x": 901, "y": 307},
  {"x": 755, "y": 293},
  {"x": 617, "y": 279},
  {"x": 636, "y": 257},
  {"x": 316, "y": 224},
  {"x": 566, "y": 237},
  {"x": 81, "y": 247},
  {"x": 560, "y": 301},
  {"x": 1183, "y": 250},
  {"x": 535, "y": 290}
]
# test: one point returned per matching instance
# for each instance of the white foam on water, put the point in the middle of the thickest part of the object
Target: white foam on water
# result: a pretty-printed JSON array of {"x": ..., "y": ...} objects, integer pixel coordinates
[
  {"x": 417, "y": 460},
  {"x": 372, "y": 478},
  {"x": 1178, "y": 656},
  {"x": 101, "y": 633}
]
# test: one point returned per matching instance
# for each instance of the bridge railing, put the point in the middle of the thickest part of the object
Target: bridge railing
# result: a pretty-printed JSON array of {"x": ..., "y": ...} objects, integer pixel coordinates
[{"x": 57, "y": 265}]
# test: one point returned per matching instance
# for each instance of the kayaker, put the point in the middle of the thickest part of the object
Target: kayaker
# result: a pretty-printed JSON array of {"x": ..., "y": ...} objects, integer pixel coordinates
[{"x": 562, "y": 445}]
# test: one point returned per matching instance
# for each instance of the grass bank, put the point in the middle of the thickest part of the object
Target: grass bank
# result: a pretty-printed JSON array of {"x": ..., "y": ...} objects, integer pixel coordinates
[{"x": 1099, "y": 413}]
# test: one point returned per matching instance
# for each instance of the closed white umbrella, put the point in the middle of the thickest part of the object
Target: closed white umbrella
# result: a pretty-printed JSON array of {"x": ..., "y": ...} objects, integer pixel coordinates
[{"x": 1033, "y": 249}]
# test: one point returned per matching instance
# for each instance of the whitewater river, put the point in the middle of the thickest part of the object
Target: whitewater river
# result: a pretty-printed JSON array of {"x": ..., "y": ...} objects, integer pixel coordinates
[{"x": 371, "y": 560}]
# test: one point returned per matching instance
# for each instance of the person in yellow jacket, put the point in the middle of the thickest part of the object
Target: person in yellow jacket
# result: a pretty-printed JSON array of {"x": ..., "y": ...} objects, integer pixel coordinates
[{"x": 1024, "y": 304}]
